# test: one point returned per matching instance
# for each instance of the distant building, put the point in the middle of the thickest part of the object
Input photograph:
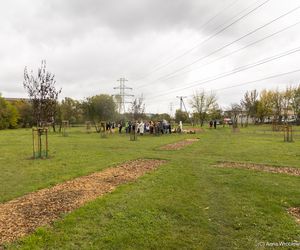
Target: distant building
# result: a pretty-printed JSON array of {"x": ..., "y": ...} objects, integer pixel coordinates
[
  {"x": 12, "y": 100},
  {"x": 241, "y": 117}
]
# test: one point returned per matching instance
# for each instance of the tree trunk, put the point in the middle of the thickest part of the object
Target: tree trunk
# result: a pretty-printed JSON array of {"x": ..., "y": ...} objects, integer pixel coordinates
[{"x": 53, "y": 126}]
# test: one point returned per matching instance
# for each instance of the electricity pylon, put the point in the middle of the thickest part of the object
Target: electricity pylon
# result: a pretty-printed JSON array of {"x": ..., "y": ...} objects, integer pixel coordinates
[{"x": 121, "y": 97}]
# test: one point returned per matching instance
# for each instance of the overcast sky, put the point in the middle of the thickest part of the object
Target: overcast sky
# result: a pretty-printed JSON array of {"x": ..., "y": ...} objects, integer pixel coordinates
[{"x": 89, "y": 44}]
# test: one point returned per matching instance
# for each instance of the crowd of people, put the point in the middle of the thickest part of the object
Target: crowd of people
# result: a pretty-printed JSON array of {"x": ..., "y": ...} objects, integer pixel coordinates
[
  {"x": 141, "y": 127},
  {"x": 150, "y": 127}
]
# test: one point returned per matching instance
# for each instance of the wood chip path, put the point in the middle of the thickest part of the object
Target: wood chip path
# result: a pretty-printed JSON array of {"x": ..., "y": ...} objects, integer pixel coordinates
[
  {"x": 23, "y": 215},
  {"x": 260, "y": 167},
  {"x": 179, "y": 145},
  {"x": 295, "y": 211}
]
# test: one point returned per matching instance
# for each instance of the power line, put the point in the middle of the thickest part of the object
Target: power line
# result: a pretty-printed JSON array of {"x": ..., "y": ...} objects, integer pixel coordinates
[
  {"x": 200, "y": 29},
  {"x": 225, "y": 46},
  {"x": 234, "y": 71},
  {"x": 156, "y": 68},
  {"x": 208, "y": 38},
  {"x": 237, "y": 50},
  {"x": 258, "y": 80},
  {"x": 218, "y": 14}
]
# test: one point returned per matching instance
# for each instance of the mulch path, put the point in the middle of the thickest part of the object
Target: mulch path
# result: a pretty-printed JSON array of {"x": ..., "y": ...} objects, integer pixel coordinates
[
  {"x": 193, "y": 130},
  {"x": 179, "y": 145},
  {"x": 261, "y": 167},
  {"x": 23, "y": 215},
  {"x": 295, "y": 211}
]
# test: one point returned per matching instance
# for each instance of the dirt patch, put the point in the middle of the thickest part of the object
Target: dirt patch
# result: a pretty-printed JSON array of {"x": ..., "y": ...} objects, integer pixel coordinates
[
  {"x": 261, "y": 167},
  {"x": 179, "y": 145},
  {"x": 23, "y": 215},
  {"x": 295, "y": 211},
  {"x": 193, "y": 130},
  {"x": 198, "y": 129}
]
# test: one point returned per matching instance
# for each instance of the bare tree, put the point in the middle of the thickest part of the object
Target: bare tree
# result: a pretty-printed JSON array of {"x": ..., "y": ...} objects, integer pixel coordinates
[
  {"x": 137, "y": 108},
  {"x": 235, "y": 111},
  {"x": 202, "y": 103},
  {"x": 42, "y": 94}
]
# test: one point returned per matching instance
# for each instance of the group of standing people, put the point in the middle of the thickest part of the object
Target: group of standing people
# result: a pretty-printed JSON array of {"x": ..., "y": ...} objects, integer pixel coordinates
[
  {"x": 213, "y": 123},
  {"x": 151, "y": 127}
]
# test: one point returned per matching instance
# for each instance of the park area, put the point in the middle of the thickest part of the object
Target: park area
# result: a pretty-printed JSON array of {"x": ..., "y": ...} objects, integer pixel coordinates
[{"x": 215, "y": 189}]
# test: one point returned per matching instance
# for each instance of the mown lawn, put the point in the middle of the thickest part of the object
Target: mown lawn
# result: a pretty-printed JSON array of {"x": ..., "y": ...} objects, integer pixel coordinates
[{"x": 186, "y": 204}]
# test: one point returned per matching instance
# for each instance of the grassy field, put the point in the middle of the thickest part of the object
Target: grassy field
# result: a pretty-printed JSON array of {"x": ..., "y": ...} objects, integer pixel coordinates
[{"x": 186, "y": 204}]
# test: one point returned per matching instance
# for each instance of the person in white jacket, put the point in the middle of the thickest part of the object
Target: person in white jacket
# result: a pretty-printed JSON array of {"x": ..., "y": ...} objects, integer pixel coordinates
[
  {"x": 141, "y": 127},
  {"x": 180, "y": 127}
]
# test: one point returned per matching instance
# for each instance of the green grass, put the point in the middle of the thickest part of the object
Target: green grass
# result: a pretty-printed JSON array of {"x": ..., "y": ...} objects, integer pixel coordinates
[{"x": 186, "y": 204}]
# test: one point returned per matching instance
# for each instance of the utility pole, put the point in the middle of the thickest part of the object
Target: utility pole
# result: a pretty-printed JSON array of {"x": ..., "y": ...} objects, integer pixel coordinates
[
  {"x": 122, "y": 94},
  {"x": 183, "y": 105},
  {"x": 182, "y": 102}
]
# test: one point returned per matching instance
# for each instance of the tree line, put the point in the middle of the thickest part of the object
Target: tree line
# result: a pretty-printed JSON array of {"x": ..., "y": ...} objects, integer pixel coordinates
[
  {"x": 22, "y": 112},
  {"x": 42, "y": 106},
  {"x": 259, "y": 107}
]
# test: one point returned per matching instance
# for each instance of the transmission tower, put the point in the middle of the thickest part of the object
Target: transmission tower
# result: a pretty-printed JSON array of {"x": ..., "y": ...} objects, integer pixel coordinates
[
  {"x": 121, "y": 97},
  {"x": 171, "y": 109}
]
